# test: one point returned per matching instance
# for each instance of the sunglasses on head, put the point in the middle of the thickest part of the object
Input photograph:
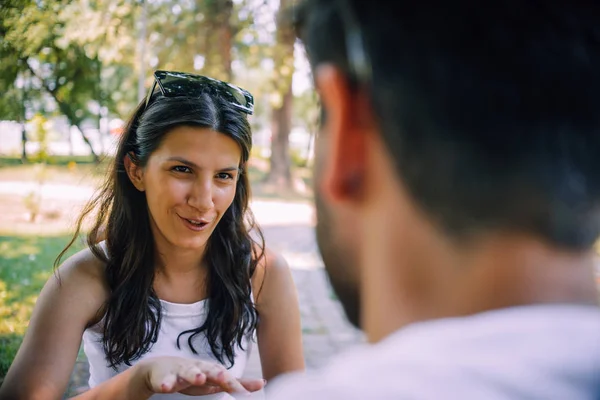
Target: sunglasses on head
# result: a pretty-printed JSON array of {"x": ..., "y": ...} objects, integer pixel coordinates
[{"x": 174, "y": 84}]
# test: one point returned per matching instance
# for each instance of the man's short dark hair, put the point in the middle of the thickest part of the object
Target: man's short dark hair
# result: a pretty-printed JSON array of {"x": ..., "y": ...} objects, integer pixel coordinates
[{"x": 490, "y": 111}]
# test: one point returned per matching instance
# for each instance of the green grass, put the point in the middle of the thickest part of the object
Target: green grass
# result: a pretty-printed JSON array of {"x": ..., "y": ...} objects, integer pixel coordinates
[{"x": 25, "y": 265}]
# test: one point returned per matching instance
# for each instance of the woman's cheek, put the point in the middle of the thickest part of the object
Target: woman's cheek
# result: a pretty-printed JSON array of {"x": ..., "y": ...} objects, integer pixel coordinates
[
  {"x": 224, "y": 196},
  {"x": 177, "y": 187}
]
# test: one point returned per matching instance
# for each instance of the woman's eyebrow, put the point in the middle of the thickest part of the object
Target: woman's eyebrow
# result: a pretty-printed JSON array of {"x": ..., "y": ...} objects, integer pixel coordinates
[
  {"x": 183, "y": 161},
  {"x": 194, "y": 165}
]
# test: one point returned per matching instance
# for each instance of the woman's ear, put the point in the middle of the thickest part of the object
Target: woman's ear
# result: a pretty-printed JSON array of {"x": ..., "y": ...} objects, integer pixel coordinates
[{"x": 134, "y": 172}]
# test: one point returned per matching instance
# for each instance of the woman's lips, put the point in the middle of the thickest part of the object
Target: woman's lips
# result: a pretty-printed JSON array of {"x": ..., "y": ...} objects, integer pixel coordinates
[{"x": 193, "y": 224}]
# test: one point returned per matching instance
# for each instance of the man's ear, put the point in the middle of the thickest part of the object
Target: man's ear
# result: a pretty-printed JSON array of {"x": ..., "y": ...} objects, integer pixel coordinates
[
  {"x": 348, "y": 128},
  {"x": 134, "y": 172}
]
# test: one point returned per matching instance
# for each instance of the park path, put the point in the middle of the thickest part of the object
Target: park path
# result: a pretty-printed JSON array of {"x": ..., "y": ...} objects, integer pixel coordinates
[{"x": 288, "y": 229}]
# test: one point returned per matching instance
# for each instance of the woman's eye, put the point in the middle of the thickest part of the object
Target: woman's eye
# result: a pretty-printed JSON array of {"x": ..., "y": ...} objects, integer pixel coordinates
[
  {"x": 224, "y": 176},
  {"x": 181, "y": 168}
]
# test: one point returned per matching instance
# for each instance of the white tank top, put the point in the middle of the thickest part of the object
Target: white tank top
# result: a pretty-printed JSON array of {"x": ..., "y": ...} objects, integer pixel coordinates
[{"x": 176, "y": 318}]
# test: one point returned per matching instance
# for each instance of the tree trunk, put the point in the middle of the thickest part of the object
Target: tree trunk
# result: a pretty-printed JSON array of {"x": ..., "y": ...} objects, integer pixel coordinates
[
  {"x": 23, "y": 143},
  {"x": 280, "y": 173},
  {"x": 217, "y": 62},
  {"x": 23, "y": 122},
  {"x": 281, "y": 119}
]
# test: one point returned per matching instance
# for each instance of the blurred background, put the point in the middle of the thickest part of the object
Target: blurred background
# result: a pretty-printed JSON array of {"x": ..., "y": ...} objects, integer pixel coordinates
[{"x": 72, "y": 71}]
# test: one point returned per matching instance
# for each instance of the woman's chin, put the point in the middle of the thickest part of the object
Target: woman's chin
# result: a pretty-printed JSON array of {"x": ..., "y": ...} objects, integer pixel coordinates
[{"x": 190, "y": 244}]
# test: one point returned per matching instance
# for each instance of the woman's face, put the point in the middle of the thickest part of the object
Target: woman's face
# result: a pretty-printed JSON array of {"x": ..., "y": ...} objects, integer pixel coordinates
[{"x": 190, "y": 182}]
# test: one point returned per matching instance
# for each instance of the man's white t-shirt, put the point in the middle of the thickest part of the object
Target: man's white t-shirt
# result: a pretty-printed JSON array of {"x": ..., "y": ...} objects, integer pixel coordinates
[{"x": 528, "y": 352}]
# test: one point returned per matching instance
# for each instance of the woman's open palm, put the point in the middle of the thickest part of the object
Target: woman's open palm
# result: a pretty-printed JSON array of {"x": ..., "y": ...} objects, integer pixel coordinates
[{"x": 193, "y": 377}]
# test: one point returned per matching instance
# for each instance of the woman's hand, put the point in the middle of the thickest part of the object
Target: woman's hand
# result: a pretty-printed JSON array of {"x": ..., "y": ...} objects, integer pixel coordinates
[{"x": 192, "y": 377}]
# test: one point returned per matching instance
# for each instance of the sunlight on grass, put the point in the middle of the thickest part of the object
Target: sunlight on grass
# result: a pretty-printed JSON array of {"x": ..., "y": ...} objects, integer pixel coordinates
[{"x": 11, "y": 250}]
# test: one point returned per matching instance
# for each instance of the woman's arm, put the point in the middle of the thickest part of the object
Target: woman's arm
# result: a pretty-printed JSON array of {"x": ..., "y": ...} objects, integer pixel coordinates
[
  {"x": 66, "y": 305},
  {"x": 279, "y": 330}
]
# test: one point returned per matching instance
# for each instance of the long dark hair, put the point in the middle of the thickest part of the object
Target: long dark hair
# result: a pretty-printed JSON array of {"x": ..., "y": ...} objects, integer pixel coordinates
[{"x": 132, "y": 313}]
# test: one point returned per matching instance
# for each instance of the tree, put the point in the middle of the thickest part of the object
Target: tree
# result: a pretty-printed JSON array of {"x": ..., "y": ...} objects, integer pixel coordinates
[
  {"x": 13, "y": 80},
  {"x": 282, "y": 99},
  {"x": 218, "y": 39},
  {"x": 32, "y": 36}
]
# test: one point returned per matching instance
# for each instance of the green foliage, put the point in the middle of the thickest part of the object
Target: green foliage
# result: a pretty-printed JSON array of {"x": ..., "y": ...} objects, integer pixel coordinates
[
  {"x": 11, "y": 65},
  {"x": 12, "y": 102},
  {"x": 105, "y": 31},
  {"x": 33, "y": 35}
]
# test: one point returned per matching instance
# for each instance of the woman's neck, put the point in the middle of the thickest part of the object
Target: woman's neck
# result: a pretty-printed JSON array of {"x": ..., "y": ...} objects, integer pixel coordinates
[
  {"x": 180, "y": 274},
  {"x": 173, "y": 261},
  {"x": 176, "y": 261}
]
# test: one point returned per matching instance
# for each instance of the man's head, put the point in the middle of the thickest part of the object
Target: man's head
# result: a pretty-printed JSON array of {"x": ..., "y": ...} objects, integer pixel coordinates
[{"x": 471, "y": 121}]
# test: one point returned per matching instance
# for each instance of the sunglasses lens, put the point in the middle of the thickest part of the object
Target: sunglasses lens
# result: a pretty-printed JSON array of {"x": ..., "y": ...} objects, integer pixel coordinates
[
  {"x": 183, "y": 84},
  {"x": 238, "y": 95}
]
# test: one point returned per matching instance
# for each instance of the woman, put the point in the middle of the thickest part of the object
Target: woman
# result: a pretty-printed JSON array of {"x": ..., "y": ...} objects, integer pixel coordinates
[{"x": 170, "y": 300}]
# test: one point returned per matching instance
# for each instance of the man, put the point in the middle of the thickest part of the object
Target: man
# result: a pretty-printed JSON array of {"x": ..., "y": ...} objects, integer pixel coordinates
[{"x": 458, "y": 196}]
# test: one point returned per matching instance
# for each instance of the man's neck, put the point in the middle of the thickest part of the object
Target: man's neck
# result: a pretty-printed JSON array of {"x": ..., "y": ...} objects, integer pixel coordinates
[{"x": 499, "y": 272}]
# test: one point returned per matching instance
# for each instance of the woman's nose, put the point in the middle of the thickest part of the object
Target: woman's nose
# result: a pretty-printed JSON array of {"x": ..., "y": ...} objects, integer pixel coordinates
[{"x": 201, "y": 196}]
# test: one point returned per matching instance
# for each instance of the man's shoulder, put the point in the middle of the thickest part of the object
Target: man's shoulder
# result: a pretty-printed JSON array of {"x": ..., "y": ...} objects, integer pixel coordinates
[
  {"x": 362, "y": 373},
  {"x": 512, "y": 348}
]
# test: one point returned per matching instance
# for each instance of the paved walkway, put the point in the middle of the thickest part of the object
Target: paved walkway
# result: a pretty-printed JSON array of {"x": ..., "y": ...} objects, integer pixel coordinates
[{"x": 288, "y": 229}]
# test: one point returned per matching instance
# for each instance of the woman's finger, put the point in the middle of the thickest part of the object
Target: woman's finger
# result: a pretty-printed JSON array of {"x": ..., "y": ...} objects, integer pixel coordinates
[
  {"x": 253, "y": 385},
  {"x": 192, "y": 374},
  {"x": 166, "y": 384},
  {"x": 219, "y": 376},
  {"x": 205, "y": 389}
]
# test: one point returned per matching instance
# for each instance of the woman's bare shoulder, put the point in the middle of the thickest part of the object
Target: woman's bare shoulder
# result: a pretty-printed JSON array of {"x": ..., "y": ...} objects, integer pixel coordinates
[
  {"x": 268, "y": 258},
  {"x": 84, "y": 272},
  {"x": 270, "y": 266}
]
